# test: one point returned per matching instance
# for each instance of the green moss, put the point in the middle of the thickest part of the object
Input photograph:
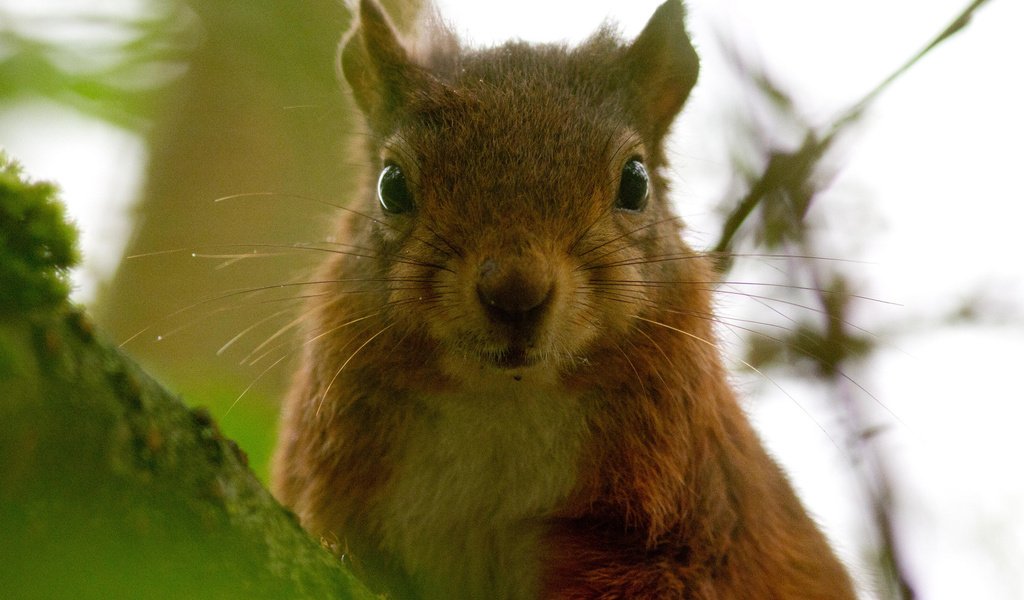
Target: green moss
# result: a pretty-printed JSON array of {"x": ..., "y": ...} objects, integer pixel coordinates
[
  {"x": 251, "y": 420},
  {"x": 109, "y": 486},
  {"x": 37, "y": 245}
]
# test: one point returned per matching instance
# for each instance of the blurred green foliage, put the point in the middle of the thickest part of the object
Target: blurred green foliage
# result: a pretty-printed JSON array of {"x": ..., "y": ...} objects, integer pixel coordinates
[{"x": 111, "y": 65}]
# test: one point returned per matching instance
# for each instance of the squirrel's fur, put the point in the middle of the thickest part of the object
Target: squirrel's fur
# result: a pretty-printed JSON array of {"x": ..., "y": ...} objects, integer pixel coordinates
[{"x": 511, "y": 387}]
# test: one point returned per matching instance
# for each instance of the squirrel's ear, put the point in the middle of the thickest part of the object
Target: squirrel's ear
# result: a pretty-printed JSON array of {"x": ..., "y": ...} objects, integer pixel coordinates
[
  {"x": 376, "y": 65},
  {"x": 662, "y": 66}
]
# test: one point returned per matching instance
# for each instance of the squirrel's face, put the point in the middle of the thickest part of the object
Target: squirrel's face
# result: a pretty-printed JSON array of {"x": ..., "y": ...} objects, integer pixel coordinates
[
  {"x": 518, "y": 213},
  {"x": 518, "y": 241}
]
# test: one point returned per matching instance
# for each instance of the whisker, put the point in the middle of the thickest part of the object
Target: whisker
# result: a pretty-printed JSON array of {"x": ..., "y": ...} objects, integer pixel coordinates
[
  {"x": 619, "y": 237},
  {"x": 668, "y": 361},
  {"x": 353, "y": 211},
  {"x": 186, "y": 309},
  {"x": 749, "y": 366},
  {"x": 197, "y": 252},
  {"x": 618, "y": 295},
  {"x": 249, "y": 291},
  {"x": 201, "y": 251},
  {"x": 645, "y": 260},
  {"x": 807, "y": 289},
  {"x": 730, "y": 322},
  {"x": 636, "y": 372},
  {"x": 254, "y": 382},
  {"x": 670, "y": 283},
  {"x": 374, "y": 312},
  {"x": 345, "y": 364},
  {"x": 295, "y": 349},
  {"x": 212, "y": 313},
  {"x": 455, "y": 250},
  {"x": 281, "y": 331},
  {"x": 764, "y": 300},
  {"x": 587, "y": 229},
  {"x": 248, "y": 329},
  {"x": 766, "y": 255}
]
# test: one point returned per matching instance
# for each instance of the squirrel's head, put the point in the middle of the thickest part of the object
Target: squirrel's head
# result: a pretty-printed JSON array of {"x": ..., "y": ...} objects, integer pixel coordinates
[{"x": 519, "y": 213}]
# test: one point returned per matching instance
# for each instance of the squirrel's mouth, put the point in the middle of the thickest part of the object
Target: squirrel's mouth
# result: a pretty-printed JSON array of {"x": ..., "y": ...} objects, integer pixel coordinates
[{"x": 514, "y": 357}]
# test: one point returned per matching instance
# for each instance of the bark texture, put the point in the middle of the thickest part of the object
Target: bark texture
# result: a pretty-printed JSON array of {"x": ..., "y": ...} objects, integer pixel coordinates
[{"x": 109, "y": 486}]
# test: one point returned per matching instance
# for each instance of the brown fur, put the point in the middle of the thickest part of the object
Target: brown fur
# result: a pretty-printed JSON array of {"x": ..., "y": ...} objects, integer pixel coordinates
[{"x": 513, "y": 158}]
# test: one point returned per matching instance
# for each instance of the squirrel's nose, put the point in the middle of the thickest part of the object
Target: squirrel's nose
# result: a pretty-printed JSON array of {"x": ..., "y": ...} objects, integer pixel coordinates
[{"x": 514, "y": 292}]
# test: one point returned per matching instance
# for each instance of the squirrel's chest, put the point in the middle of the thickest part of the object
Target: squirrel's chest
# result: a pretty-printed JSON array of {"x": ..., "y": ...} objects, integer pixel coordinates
[{"x": 477, "y": 477}]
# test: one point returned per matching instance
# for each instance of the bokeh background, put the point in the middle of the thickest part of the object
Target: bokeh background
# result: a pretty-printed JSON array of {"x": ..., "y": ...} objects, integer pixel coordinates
[{"x": 872, "y": 302}]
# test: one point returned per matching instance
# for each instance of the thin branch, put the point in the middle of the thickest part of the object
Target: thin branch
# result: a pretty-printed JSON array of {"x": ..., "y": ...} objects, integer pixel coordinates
[{"x": 784, "y": 169}]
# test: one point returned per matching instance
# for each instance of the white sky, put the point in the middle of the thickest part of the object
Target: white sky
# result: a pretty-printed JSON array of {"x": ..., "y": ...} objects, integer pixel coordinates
[{"x": 937, "y": 158}]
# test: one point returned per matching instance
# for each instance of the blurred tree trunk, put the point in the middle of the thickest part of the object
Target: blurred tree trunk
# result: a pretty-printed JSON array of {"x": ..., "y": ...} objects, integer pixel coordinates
[{"x": 259, "y": 111}]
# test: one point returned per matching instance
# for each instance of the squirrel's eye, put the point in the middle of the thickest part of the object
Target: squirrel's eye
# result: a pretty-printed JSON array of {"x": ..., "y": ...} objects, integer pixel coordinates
[
  {"x": 633, "y": 184},
  {"x": 392, "y": 190}
]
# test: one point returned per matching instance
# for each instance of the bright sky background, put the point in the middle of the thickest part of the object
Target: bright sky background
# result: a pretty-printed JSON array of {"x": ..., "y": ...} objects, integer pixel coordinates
[{"x": 938, "y": 160}]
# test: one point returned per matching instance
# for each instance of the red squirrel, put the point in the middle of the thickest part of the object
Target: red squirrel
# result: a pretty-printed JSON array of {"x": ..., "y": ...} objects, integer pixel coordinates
[{"x": 511, "y": 386}]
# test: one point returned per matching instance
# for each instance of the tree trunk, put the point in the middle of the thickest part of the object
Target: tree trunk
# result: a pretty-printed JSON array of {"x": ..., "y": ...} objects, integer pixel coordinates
[{"x": 109, "y": 486}]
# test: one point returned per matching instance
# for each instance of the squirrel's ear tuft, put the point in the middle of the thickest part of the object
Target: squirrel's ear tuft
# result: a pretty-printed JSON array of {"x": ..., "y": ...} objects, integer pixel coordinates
[
  {"x": 376, "y": 65},
  {"x": 662, "y": 66}
]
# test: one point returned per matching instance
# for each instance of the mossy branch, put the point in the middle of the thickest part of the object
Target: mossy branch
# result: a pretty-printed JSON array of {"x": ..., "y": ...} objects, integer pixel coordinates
[{"x": 109, "y": 486}]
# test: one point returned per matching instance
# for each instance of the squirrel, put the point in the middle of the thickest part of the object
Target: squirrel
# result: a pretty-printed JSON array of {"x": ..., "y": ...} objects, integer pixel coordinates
[{"x": 510, "y": 384}]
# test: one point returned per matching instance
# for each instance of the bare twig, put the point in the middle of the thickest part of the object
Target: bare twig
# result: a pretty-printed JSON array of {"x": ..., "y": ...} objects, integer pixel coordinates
[
  {"x": 786, "y": 168},
  {"x": 784, "y": 191}
]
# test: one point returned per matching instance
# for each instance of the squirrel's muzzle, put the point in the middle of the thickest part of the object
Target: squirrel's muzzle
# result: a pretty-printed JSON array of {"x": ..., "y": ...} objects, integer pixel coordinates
[{"x": 515, "y": 294}]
